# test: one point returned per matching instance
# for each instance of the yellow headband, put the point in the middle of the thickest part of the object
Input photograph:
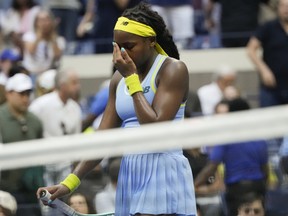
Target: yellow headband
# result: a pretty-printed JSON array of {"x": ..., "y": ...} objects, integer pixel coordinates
[{"x": 137, "y": 28}]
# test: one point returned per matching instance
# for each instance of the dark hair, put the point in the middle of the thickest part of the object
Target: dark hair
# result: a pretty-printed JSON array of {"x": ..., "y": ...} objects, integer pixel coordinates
[
  {"x": 250, "y": 198},
  {"x": 7, "y": 212},
  {"x": 142, "y": 13},
  {"x": 88, "y": 201},
  {"x": 17, "y": 69},
  {"x": 16, "y": 6},
  {"x": 238, "y": 104},
  {"x": 224, "y": 102}
]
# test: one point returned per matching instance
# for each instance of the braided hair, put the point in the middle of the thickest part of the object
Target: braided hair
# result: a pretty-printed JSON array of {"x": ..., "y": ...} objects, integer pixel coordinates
[{"x": 142, "y": 13}]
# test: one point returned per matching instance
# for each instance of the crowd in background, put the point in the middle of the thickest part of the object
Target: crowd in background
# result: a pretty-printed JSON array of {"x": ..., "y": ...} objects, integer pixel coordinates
[
  {"x": 86, "y": 25},
  {"x": 40, "y": 100}
]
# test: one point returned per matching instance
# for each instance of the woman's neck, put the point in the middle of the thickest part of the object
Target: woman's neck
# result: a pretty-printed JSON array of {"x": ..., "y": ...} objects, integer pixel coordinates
[{"x": 143, "y": 71}]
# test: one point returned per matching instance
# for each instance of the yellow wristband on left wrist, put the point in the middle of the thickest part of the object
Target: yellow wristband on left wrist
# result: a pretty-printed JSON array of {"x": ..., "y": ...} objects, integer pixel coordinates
[{"x": 72, "y": 182}]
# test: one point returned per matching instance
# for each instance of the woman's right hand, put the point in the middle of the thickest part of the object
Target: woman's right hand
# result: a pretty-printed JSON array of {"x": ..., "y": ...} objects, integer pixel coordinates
[
  {"x": 56, "y": 191},
  {"x": 122, "y": 61}
]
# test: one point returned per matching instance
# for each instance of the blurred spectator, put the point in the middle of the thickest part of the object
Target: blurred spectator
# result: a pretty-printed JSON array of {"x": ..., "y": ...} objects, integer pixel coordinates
[
  {"x": 104, "y": 15},
  {"x": 268, "y": 11},
  {"x": 18, "y": 69},
  {"x": 7, "y": 59},
  {"x": 179, "y": 18},
  {"x": 208, "y": 195},
  {"x": 105, "y": 199},
  {"x": 239, "y": 19},
  {"x": 60, "y": 115},
  {"x": 272, "y": 67},
  {"x": 231, "y": 92},
  {"x": 46, "y": 82},
  {"x": 80, "y": 203},
  {"x": 8, "y": 204},
  {"x": 18, "y": 124},
  {"x": 193, "y": 106},
  {"x": 206, "y": 38},
  {"x": 246, "y": 165},
  {"x": 18, "y": 20},
  {"x": 67, "y": 14},
  {"x": 251, "y": 204},
  {"x": 97, "y": 107},
  {"x": 86, "y": 24},
  {"x": 43, "y": 47},
  {"x": 14, "y": 70},
  {"x": 222, "y": 107},
  {"x": 212, "y": 93}
]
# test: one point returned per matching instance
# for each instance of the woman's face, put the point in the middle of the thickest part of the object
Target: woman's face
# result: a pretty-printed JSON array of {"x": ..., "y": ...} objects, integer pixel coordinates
[
  {"x": 138, "y": 48},
  {"x": 283, "y": 10},
  {"x": 79, "y": 204},
  {"x": 44, "y": 22},
  {"x": 252, "y": 209}
]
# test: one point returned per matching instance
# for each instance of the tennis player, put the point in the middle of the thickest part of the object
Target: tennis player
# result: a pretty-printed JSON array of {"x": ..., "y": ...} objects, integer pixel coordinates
[{"x": 150, "y": 86}]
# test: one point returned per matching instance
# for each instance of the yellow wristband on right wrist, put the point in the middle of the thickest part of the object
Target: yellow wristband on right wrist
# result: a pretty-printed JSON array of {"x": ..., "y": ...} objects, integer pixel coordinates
[
  {"x": 133, "y": 84},
  {"x": 72, "y": 182}
]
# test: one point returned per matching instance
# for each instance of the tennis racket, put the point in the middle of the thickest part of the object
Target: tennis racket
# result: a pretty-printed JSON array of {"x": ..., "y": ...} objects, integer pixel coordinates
[{"x": 64, "y": 208}]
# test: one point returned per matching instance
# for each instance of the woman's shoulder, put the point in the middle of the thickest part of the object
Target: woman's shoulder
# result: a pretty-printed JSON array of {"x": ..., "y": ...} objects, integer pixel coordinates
[{"x": 172, "y": 65}]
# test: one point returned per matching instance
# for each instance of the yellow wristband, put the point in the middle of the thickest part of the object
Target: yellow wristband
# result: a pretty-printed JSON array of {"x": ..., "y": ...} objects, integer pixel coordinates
[
  {"x": 133, "y": 84},
  {"x": 72, "y": 182}
]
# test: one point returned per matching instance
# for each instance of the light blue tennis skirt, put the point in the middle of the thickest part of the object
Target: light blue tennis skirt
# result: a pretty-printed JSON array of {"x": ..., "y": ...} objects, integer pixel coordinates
[{"x": 155, "y": 183}]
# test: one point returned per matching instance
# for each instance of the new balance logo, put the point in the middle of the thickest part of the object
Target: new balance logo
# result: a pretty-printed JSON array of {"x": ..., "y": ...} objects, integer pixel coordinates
[
  {"x": 125, "y": 23},
  {"x": 146, "y": 89}
]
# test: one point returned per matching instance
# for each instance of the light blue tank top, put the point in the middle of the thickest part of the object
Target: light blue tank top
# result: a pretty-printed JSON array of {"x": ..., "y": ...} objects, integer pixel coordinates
[{"x": 124, "y": 102}]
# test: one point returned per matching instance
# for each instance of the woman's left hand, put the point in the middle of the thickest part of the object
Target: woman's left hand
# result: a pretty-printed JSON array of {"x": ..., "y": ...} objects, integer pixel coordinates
[{"x": 122, "y": 61}]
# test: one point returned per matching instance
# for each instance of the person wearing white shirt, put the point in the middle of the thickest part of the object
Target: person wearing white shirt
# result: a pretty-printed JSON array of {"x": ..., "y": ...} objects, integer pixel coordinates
[
  {"x": 43, "y": 47},
  {"x": 17, "y": 20},
  {"x": 60, "y": 115},
  {"x": 212, "y": 93}
]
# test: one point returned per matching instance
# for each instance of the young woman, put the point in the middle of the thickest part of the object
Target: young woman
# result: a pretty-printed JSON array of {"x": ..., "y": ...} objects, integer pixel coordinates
[
  {"x": 80, "y": 203},
  {"x": 152, "y": 86}
]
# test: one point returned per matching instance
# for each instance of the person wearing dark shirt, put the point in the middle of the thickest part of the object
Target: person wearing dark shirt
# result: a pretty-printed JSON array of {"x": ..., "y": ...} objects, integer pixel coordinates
[
  {"x": 18, "y": 124},
  {"x": 245, "y": 165},
  {"x": 272, "y": 37},
  {"x": 239, "y": 19},
  {"x": 105, "y": 14}
]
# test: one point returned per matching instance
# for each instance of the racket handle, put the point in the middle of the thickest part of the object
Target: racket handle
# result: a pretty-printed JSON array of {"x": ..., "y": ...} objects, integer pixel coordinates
[{"x": 61, "y": 206}]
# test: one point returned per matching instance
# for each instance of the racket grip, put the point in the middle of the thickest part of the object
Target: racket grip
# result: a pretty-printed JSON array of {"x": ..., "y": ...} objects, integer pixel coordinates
[{"x": 61, "y": 206}]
